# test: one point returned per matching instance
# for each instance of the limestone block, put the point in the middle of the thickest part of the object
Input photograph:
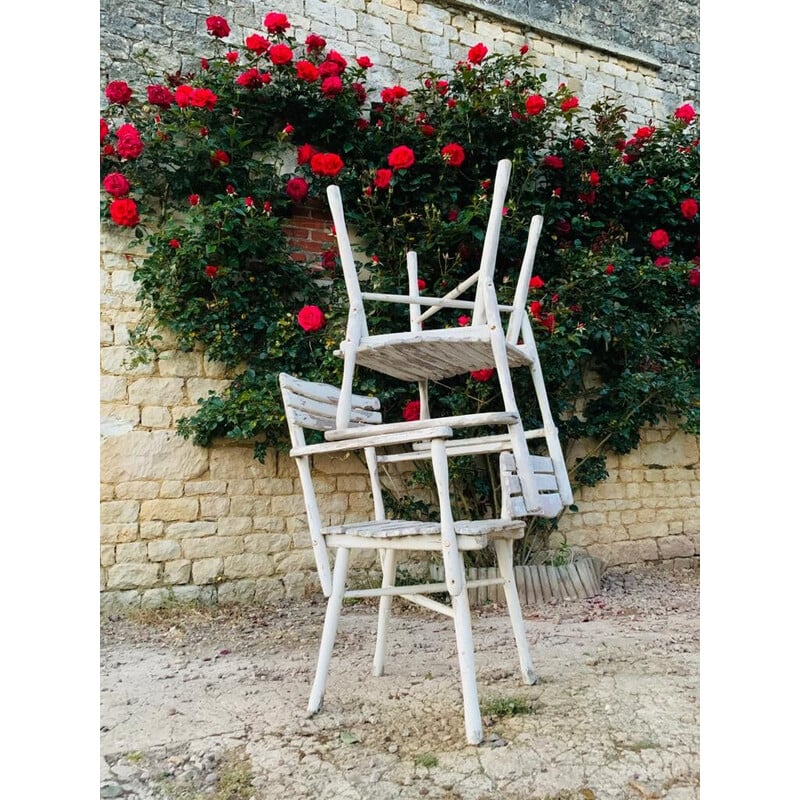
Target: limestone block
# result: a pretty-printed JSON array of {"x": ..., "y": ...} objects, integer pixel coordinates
[
  {"x": 163, "y": 550},
  {"x": 237, "y": 591},
  {"x": 112, "y": 511},
  {"x": 352, "y": 483},
  {"x": 151, "y": 530},
  {"x": 155, "y": 598},
  {"x": 292, "y": 506},
  {"x": 278, "y": 486},
  {"x": 229, "y": 462},
  {"x": 106, "y": 336},
  {"x": 212, "y": 546},
  {"x": 107, "y": 553},
  {"x": 156, "y": 417},
  {"x": 248, "y": 565},
  {"x": 116, "y": 361},
  {"x": 131, "y": 553},
  {"x": 269, "y": 524},
  {"x": 240, "y": 486},
  {"x": 107, "y": 491},
  {"x": 675, "y": 547},
  {"x": 177, "y": 572},
  {"x": 199, "y": 388},
  {"x": 111, "y": 601},
  {"x": 214, "y": 507},
  {"x": 171, "y": 489},
  {"x": 644, "y": 530},
  {"x": 191, "y": 530},
  {"x": 117, "y": 419},
  {"x": 295, "y": 561},
  {"x": 158, "y": 455},
  {"x": 176, "y": 363},
  {"x": 230, "y": 526},
  {"x": 295, "y": 585},
  {"x": 268, "y": 590},
  {"x": 346, "y": 18},
  {"x": 179, "y": 509},
  {"x": 156, "y": 391},
  {"x": 191, "y": 488},
  {"x": 267, "y": 543},
  {"x": 132, "y": 576},
  {"x": 627, "y": 552},
  {"x": 213, "y": 369},
  {"x": 113, "y": 388},
  {"x": 247, "y": 506},
  {"x": 206, "y": 570}
]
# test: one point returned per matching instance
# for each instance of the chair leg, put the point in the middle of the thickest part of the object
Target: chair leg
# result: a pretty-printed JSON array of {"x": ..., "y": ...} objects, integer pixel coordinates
[
  {"x": 466, "y": 663},
  {"x": 505, "y": 563},
  {"x": 388, "y": 563},
  {"x": 329, "y": 630}
]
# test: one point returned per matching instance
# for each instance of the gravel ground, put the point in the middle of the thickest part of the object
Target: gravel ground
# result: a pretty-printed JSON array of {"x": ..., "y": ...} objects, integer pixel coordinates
[{"x": 210, "y": 703}]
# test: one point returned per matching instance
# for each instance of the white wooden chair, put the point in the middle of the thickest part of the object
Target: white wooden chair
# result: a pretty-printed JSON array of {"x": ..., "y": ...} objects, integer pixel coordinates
[
  {"x": 421, "y": 355},
  {"x": 315, "y": 406}
]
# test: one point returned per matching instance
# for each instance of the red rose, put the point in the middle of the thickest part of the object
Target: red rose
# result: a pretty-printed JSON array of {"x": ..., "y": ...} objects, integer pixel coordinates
[
  {"x": 401, "y": 157},
  {"x": 694, "y": 277},
  {"x": 536, "y": 308},
  {"x": 310, "y": 318},
  {"x": 383, "y": 178},
  {"x": 535, "y": 104},
  {"x": 337, "y": 60},
  {"x": 276, "y": 23},
  {"x": 594, "y": 178},
  {"x": 453, "y": 154},
  {"x": 569, "y": 103},
  {"x": 174, "y": 244},
  {"x": 230, "y": 189},
  {"x": 421, "y": 284},
  {"x": 659, "y": 239},
  {"x": 129, "y": 145},
  {"x": 427, "y": 130},
  {"x": 393, "y": 94},
  {"x": 103, "y": 129},
  {"x": 218, "y": 26},
  {"x": 250, "y": 79},
  {"x": 536, "y": 282},
  {"x": 364, "y": 62},
  {"x": 360, "y": 92},
  {"x": 482, "y": 375},
  {"x": 549, "y": 322},
  {"x": 587, "y": 197},
  {"x": 203, "y": 63},
  {"x": 524, "y": 49},
  {"x": 160, "y": 96},
  {"x": 662, "y": 261},
  {"x": 562, "y": 226},
  {"x": 331, "y": 86},
  {"x": 119, "y": 92},
  {"x": 232, "y": 57},
  {"x": 182, "y": 95},
  {"x": 219, "y": 158},
  {"x": 554, "y": 161},
  {"x": 644, "y": 133},
  {"x": 328, "y": 258},
  {"x": 477, "y": 53},
  {"x": 689, "y": 208},
  {"x": 685, "y": 113},
  {"x": 267, "y": 207},
  {"x": 124, "y": 212},
  {"x": 314, "y": 42},
  {"x": 610, "y": 269},
  {"x": 297, "y": 189},
  {"x": 326, "y": 164},
  {"x": 411, "y": 410},
  {"x": 116, "y": 184},
  {"x": 211, "y": 271},
  {"x": 257, "y": 44},
  {"x": 306, "y": 71},
  {"x": 194, "y": 199},
  {"x": 281, "y": 54},
  {"x": 464, "y": 320},
  {"x": 578, "y": 144},
  {"x": 305, "y": 153},
  {"x": 203, "y": 98}
]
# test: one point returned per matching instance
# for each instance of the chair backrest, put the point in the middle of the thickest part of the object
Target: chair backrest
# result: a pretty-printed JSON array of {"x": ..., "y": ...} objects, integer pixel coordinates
[{"x": 513, "y": 503}]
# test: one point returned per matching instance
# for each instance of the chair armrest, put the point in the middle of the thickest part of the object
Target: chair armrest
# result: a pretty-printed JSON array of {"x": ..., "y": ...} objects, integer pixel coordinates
[
  {"x": 373, "y": 436},
  {"x": 461, "y": 421}
]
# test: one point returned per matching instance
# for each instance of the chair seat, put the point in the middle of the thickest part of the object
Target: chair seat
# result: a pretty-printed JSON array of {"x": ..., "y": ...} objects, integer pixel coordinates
[
  {"x": 393, "y": 528},
  {"x": 435, "y": 354}
]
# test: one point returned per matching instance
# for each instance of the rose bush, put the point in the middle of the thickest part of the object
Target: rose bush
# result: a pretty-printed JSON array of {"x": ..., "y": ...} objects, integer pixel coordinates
[{"x": 194, "y": 164}]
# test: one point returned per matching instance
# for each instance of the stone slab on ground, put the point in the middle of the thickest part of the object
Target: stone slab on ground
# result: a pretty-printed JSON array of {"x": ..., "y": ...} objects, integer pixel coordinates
[{"x": 195, "y": 699}]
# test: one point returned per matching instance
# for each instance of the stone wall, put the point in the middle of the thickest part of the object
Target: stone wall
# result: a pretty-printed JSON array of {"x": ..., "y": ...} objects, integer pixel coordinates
[
  {"x": 646, "y": 54},
  {"x": 189, "y": 523}
]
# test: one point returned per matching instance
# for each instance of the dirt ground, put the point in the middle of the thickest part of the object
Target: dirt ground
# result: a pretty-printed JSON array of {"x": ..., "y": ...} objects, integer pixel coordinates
[{"x": 210, "y": 703}]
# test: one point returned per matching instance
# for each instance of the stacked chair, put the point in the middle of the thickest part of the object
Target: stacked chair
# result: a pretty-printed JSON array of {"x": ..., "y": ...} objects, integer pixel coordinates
[{"x": 532, "y": 485}]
